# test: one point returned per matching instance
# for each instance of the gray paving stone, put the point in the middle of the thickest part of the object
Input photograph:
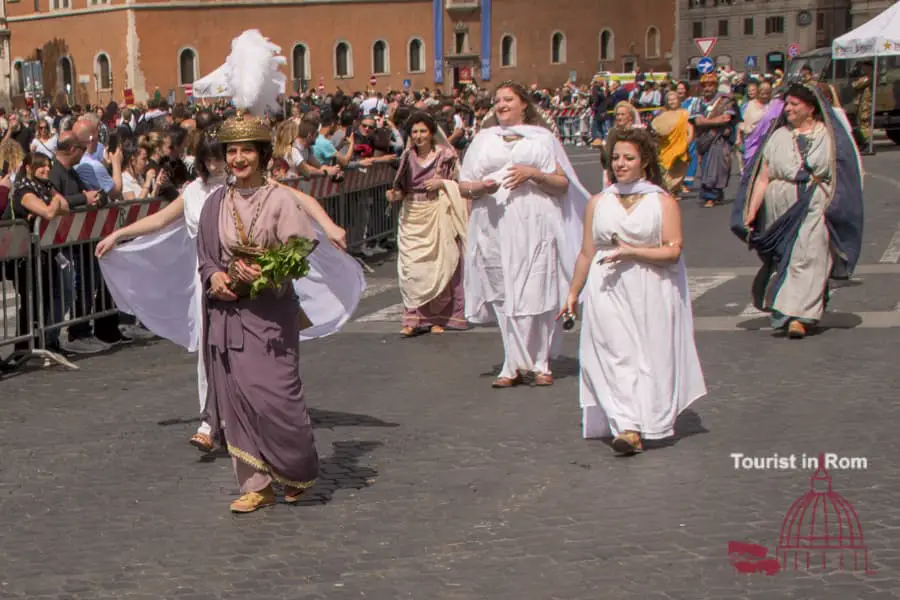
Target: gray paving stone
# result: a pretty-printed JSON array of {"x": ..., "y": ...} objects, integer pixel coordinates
[{"x": 437, "y": 487}]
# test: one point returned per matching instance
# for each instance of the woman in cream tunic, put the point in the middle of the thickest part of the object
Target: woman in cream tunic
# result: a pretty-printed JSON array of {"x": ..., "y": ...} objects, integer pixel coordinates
[{"x": 432, "y": 231}]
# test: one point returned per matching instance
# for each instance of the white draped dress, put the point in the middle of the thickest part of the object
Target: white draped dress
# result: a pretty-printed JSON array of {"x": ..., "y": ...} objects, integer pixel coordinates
[
  {"x": 639, "y": 363},
  {"x": 155, "y": 277},
  {"x": 520, "y": 252}
]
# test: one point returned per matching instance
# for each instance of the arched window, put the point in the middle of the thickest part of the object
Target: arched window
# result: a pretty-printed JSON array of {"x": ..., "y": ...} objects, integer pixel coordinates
[
  {"x": 102, "y": 72},
  {"x": 343, "y": 60},
  {"x": 558, "y": 48},
  {"x": 66, "y": 74},
  {"x": 607, "y": 45},
  {"x": 380, "y": 58},
  {"x": 187, "y": 66},
  {"x": 300, "y": 67},
  {"x": 416, "y": 57},
  {"x": 652, "y": 42},
  {"x": 507, "y": 51},
  {"x": 18, "y": 84}
]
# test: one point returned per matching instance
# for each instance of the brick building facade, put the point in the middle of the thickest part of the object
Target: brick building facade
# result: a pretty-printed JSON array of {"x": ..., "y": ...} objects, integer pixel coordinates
[{"x": 93, "y": 50}]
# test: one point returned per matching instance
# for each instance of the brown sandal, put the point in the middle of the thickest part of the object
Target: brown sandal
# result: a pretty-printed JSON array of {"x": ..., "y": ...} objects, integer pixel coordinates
[
  {"x": 543, "y": 379},
  {"x": 293, "y": 495},
  {"x": 507, "y": 382}
]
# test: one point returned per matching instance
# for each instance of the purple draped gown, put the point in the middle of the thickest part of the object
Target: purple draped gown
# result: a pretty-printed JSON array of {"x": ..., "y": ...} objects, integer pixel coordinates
[{"x": 252, "y": 348}]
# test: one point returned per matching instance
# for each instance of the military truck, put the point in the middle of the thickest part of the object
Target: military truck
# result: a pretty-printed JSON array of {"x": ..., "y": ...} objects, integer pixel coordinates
[{"x": 842, "y": 73}]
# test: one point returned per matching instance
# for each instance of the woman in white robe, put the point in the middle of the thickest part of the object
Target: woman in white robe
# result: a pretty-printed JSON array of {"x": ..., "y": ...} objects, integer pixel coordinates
[
  {"x": 155, "y": 277},
  {"x": 639, "y": 364},
  {"x": 527, "y": 206}
]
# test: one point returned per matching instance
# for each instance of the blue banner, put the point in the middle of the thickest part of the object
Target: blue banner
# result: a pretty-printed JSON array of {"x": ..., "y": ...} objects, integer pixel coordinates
[
  {"x": 438, "y": 20},
  {"x": 486, "y": 43}
]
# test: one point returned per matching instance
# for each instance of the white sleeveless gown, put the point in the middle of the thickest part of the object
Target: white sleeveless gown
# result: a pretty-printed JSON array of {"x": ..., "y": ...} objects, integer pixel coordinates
[{"x": 639, "y": 364}]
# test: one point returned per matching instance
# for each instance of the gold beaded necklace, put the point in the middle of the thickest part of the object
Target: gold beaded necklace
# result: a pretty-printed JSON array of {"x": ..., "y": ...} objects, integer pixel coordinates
[{"x": 629, "y": 200}]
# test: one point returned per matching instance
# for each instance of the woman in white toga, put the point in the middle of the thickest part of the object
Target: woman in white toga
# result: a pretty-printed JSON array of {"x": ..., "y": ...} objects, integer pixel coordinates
[{"x": 524, "y": 233}]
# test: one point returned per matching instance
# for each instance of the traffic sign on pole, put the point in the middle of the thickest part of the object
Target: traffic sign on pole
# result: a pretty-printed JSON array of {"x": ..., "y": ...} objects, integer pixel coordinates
[
  {"x": 373, "y": 80},
  {"x": 706, "y": 44},
  {"x": 794, "y": 50},
  {"x": 705, "y": 65},
  {"x": 752, "y": 62}
]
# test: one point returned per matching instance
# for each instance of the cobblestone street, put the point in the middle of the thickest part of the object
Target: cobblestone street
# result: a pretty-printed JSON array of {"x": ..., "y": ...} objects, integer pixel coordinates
[{"x": 437, "y": 487}]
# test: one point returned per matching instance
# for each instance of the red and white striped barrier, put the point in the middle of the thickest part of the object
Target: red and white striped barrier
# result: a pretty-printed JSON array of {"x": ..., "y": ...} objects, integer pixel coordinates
[
  {"x": 15, "y": 239},
  {"x": 92, "y": 225},
  {"x": 354, "y": 181},
  {"x": 563, "y": 113}
]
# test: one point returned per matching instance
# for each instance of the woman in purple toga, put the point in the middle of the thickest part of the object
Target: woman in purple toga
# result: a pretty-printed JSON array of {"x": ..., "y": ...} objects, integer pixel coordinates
[{"x": 255, "y": 393}]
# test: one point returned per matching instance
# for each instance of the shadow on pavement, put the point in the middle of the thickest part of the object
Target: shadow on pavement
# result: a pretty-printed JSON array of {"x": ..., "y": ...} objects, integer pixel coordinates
[
  {"x": 329, "y": 419},
  {"x": 341, "y": 471},
  {"x": 687, "y": 424}
]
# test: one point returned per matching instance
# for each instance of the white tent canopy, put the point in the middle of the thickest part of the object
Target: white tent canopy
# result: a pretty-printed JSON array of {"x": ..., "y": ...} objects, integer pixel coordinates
[
  {"x": 878, "y": 37},
  {"x": 215, "y": 85}
]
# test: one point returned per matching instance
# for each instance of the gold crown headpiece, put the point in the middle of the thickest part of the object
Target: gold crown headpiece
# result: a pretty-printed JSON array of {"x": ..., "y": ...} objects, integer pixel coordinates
[{"x": 244, "y": 127}]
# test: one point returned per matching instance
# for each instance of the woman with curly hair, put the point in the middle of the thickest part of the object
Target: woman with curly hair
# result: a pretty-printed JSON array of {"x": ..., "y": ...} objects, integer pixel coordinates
[{"x": 639, "y": 364}]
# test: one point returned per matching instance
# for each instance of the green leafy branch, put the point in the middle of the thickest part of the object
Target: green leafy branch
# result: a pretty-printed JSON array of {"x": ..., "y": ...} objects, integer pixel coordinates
[{"x": 283, "y": 263}]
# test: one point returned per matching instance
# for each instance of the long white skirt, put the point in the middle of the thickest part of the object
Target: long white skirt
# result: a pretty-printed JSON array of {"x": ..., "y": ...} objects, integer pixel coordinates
[{"x": 639, "y": 363}]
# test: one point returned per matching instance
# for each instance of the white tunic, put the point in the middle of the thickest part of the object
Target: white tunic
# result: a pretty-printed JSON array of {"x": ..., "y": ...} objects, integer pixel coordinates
[
  {"x": 516, "y": 237},
  {"x": 639, "y": 364}
]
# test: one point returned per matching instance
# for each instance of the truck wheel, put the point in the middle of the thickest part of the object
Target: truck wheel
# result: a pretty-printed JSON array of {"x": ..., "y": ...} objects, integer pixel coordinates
[{"x": 894, "y": 135}]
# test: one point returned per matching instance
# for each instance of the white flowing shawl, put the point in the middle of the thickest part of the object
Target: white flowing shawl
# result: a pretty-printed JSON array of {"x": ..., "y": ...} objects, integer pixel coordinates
[{"x": 154, "y": 278}]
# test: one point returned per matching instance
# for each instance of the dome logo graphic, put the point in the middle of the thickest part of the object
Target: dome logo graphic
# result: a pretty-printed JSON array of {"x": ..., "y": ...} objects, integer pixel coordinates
[{"x": 821, "y": 531}]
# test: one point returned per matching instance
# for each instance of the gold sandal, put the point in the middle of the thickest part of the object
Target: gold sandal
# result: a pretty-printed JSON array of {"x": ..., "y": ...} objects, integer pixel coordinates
[
  {"x": 253, "y": 501},
  {"x": 796, "y": 330},
  {"x": 437, "y": 329},
  {"x": 407, "y": 332},
  {"x": 628, "y": 443},
  {"x": 202, "y": 442}
]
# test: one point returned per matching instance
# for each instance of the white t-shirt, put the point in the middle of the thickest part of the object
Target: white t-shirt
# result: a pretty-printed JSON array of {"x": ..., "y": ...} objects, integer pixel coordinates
[
  {"x": 131, "y": 185},
  {"x": 294, "y": 159},
  {"x": 47, "y": 148},
  {"x": 372, "y": 103}
]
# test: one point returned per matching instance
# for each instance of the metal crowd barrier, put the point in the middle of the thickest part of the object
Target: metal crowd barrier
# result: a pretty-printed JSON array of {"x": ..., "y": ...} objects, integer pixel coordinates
[
  {"x": 358, "y": 203},
  {"x": 16, "y": 280},
  {"x": 51, "y": 281},
  {"x": 574, "y": 125}
]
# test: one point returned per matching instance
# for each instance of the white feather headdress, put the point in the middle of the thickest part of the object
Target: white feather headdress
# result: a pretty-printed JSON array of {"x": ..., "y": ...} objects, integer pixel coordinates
[{"x": 254, "y": 73}]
